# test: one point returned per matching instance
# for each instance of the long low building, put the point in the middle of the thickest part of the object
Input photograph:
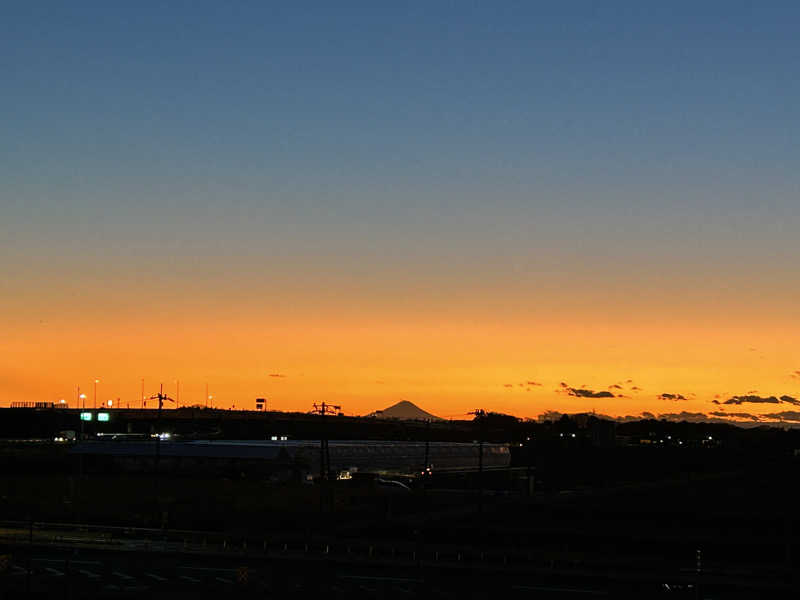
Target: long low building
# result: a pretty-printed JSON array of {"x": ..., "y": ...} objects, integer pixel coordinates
[{"x": 265, "y": 457}]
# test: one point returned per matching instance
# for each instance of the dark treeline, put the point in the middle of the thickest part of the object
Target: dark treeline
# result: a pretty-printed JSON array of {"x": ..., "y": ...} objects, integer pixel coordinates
[{"x": 566, "y": 431}]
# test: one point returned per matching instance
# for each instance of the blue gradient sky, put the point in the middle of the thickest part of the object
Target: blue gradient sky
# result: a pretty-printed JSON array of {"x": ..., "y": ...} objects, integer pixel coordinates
[{"x": 426, "y": 156}]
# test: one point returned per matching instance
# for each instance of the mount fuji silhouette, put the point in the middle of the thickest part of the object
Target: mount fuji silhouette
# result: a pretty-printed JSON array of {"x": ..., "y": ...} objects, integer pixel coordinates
[{"x": 404, "y": 411}]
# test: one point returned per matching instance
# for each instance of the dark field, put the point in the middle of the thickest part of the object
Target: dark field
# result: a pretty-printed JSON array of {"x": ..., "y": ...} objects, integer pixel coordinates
[{"x": 565, "y": 519}]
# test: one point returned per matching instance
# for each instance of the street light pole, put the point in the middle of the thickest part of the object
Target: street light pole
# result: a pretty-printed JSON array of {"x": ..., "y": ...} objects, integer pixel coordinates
[
  {"x": 82, "y": 402},
  {"x": 94, "y": 402}
]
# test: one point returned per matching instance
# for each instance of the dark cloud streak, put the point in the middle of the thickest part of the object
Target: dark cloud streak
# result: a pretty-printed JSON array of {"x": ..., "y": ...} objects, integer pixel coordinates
[
  {"x": 674, "y": 397},
  {"x": 753, "y": 399},
  {"x": 735, "y": 415},
  {"x": 584, "y": 393}
]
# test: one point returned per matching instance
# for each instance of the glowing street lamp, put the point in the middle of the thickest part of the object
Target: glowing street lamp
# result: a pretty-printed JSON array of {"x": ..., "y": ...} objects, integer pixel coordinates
[{"x": 94, "y": 402}]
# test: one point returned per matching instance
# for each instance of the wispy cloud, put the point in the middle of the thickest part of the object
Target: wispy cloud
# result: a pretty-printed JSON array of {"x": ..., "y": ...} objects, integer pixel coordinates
[
  {"x": 691, "y": 417},
  {"x": 277, "y": 375},
  {"x": 524, "y": 384},
  {"x": 735, "y": 415},
  {"x": 753, "y": 399},
  {"x": 586, "y": 393},
  {"x": 674, "y": 397},
  {"x": 785, "y": 415}
]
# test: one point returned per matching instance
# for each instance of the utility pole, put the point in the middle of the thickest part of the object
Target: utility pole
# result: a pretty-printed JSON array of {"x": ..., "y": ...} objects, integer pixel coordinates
[
  {"x": 426, "y": 470},
  {"x": 427, "y": 464},
  {"x": 480, "y": 417},
  {"x": 80, "y": 439},
  {"x": 161, "y": 397},
  {"x": 698, "y": 572},
  {"x": 142, "y": 396},
  {"x": 528, "y": 469},
  {"x": 325, "y": 474}
]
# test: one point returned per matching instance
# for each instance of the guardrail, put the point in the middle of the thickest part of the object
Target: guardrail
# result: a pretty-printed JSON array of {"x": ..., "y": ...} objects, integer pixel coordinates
[{"x": 198, "y": 542}]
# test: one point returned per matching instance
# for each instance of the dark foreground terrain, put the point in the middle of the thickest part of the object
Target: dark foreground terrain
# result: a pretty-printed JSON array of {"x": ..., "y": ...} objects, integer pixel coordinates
[{"x": 563, "y": 520}]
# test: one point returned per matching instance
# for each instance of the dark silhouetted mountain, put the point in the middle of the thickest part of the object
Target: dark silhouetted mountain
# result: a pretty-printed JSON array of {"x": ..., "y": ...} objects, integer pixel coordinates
[{"x": 405, "y": 411}]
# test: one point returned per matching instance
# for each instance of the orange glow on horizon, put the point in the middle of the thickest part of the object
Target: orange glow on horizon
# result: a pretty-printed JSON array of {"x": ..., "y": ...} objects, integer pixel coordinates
[{"x": 448, "y": 361}]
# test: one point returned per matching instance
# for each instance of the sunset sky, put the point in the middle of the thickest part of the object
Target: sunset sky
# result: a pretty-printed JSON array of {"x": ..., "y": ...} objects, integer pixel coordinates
[{"x": 517, "y": 206}]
